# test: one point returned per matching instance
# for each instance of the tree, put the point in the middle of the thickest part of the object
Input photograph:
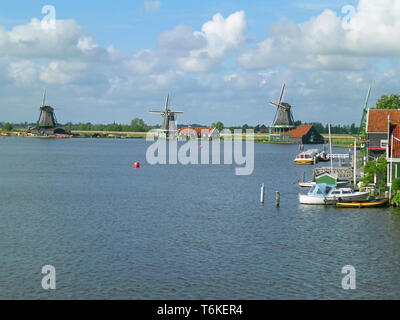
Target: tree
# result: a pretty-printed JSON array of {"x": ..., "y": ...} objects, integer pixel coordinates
[
  {"x": 138, "y": 125},
  {"x": 386, "y": 102},
  {"x": 219, "y": 125},
  {"x": 378, "y": 168},
  {"x": 245, "y": 127},
  {"x": 8, "y": 127}
]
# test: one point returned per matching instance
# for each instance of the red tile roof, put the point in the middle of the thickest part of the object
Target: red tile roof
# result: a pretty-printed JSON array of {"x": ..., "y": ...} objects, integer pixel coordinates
[
  {"x": 378, "y": 119},
  {"x": 198, "y": 130},
  {"x": 300, "y": 131}
]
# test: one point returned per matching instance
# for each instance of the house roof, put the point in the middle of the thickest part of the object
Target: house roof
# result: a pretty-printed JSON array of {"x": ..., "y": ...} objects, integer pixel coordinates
[
  {"x": 378, "y": 119},
  {"x": 300, "y": 131},
  {"x": 199, "y": 131}
]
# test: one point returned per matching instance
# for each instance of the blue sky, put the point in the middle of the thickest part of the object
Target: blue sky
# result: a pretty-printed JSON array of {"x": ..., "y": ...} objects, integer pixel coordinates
[{"x": 220, "y": 60}]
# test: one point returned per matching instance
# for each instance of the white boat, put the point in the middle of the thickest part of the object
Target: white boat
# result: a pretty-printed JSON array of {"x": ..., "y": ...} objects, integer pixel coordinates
[
  {"x": 328, "y": 194},
  {"x": 307, "y": 157},
  {"x": 323, "y": 156}
]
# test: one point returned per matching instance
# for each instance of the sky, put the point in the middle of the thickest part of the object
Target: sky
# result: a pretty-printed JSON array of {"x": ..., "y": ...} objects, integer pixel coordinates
[{"x": 113, "y": 61}]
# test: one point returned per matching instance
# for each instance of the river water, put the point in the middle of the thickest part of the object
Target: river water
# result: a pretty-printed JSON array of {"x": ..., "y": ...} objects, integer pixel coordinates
[{"x": 179, "y": 232}]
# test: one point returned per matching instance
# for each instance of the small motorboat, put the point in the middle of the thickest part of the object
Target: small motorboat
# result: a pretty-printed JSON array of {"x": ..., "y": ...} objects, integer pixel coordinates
[
  {"x": 323, "y": 156},
  {"x": 327, "y": 194},
  {"x": 377, "y": 203},
  {"x": 308, "y": 157}
]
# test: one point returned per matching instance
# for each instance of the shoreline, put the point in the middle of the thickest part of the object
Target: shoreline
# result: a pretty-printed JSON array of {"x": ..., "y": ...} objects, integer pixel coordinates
[{"x": 338, "y": 141}]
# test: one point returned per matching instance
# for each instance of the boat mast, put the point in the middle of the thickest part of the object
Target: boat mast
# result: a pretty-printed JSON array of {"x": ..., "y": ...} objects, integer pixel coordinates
[
  {"x": 355, "y": 161},
  {"x": 330, "y": 147},
  {"x": 391, "y": 168}
]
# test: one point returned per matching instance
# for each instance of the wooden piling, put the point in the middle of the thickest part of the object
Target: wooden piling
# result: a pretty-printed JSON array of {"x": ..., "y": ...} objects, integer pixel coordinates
[
  {"x": 304, "y": 177},
  {"x": 278, "y": 199}
]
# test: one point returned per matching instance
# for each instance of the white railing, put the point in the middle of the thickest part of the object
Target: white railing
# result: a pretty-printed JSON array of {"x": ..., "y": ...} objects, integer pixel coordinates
[{"x": 339, "y": 156}]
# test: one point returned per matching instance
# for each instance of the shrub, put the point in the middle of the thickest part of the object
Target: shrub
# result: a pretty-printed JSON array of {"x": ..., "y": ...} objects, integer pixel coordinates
[{"x": 396, "y": 185}]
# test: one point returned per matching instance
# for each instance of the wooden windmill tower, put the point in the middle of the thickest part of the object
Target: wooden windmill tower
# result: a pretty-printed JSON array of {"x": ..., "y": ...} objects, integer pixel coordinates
[
  {"x": 283, "y": 120},
  {"x": 168, "y": 127}
]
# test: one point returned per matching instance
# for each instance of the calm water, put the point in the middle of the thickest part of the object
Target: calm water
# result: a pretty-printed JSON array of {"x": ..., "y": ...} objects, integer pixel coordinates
[{"x": 178, "y": 232}]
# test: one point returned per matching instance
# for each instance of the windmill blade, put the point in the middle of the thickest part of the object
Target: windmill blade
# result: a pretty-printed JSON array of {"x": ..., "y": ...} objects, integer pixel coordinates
[
  {"x": 280, "y": 106},
  {"x": 156, "y": 112},
  {"x": 176, "y": 112},
  {"x": 167, "y": 102},
  {"x": 368, "y": 96},
  {"x": 40, "y": 116},
  {"x": 291, "y": 116},
  {"x": 276, "y": 114},
  {"x": 44, "y": 98},
  {"x": 282, "y": 93},
  {"x": 365, "y": 110},
  {"x": 275, "y": 104}
]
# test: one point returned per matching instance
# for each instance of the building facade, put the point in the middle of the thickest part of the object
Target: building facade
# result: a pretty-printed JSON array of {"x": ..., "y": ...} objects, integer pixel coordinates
[
  {"x": 304, "y": 134},
  {"x": 378, "y": 129}
]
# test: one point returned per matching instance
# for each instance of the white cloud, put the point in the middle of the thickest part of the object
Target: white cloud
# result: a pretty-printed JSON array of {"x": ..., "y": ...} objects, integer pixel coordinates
[
  {"x": 323, "y": 43},
  {"x": 62, "y": 72},
  {"x": 143, "y": 62},
  {"x": 222, "y": 37},
  {"x": 33, "y": 41},
  {"x": 152, "y": 6},
  {"x": 188, "y": 50},
  {"x": 24, "y": 72}
]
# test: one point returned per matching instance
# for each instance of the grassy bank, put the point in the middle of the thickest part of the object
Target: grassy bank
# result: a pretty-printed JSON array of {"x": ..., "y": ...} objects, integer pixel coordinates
[
  {"x": 341, "y": 140},
  {"x": 111, "y": 134}
]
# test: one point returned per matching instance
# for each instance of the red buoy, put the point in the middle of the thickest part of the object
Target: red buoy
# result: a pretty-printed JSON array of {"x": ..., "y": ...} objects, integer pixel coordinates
[{"x": 137, "y": 165}]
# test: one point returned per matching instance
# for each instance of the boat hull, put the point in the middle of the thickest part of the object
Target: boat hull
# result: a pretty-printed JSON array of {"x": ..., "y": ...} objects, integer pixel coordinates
[
  {"x": 368, "y": 204},
  {"x": 304, "y": 162},
  {"x": 330, "y": 200}
]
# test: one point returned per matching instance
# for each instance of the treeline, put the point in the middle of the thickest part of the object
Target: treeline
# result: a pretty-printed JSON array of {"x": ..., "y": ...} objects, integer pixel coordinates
[
  {"x": 136, "y": 125},
  {"x": 335, "y": 129}
]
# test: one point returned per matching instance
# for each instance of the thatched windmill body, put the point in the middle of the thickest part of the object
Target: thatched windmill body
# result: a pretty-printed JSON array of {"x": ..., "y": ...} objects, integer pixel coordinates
[
  {"x": 168, "y": 127},
  {"x": 283, "y": 120}
]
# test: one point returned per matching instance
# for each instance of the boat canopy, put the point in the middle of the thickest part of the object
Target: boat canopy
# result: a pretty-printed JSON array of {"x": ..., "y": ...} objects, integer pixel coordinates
[{"x": 321, "y": 189}]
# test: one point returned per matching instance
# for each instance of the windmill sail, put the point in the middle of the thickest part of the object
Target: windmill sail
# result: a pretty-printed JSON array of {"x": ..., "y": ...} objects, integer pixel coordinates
[{"x": 365, "y": 110}]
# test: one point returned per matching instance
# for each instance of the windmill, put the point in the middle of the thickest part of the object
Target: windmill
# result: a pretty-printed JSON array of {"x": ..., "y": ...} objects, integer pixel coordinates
[
  {"x": 283, "y": 120},
  {"x": 168, "y": 127},
  {"x": 47, "y": 118},
  {"x": 364, "y": 114},
  {"x": 47, "y": 124}
]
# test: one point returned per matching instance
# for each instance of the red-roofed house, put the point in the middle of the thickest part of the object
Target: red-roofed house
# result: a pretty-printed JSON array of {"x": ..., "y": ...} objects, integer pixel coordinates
[
  {"x": 305, "y": 134},
  {"x": 198, "y": 133},
  {"x": 380, "y": 123}
]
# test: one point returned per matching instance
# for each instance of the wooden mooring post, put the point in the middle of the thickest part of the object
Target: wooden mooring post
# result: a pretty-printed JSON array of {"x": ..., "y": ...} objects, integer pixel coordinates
[{"x": 278, "y": 199}]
